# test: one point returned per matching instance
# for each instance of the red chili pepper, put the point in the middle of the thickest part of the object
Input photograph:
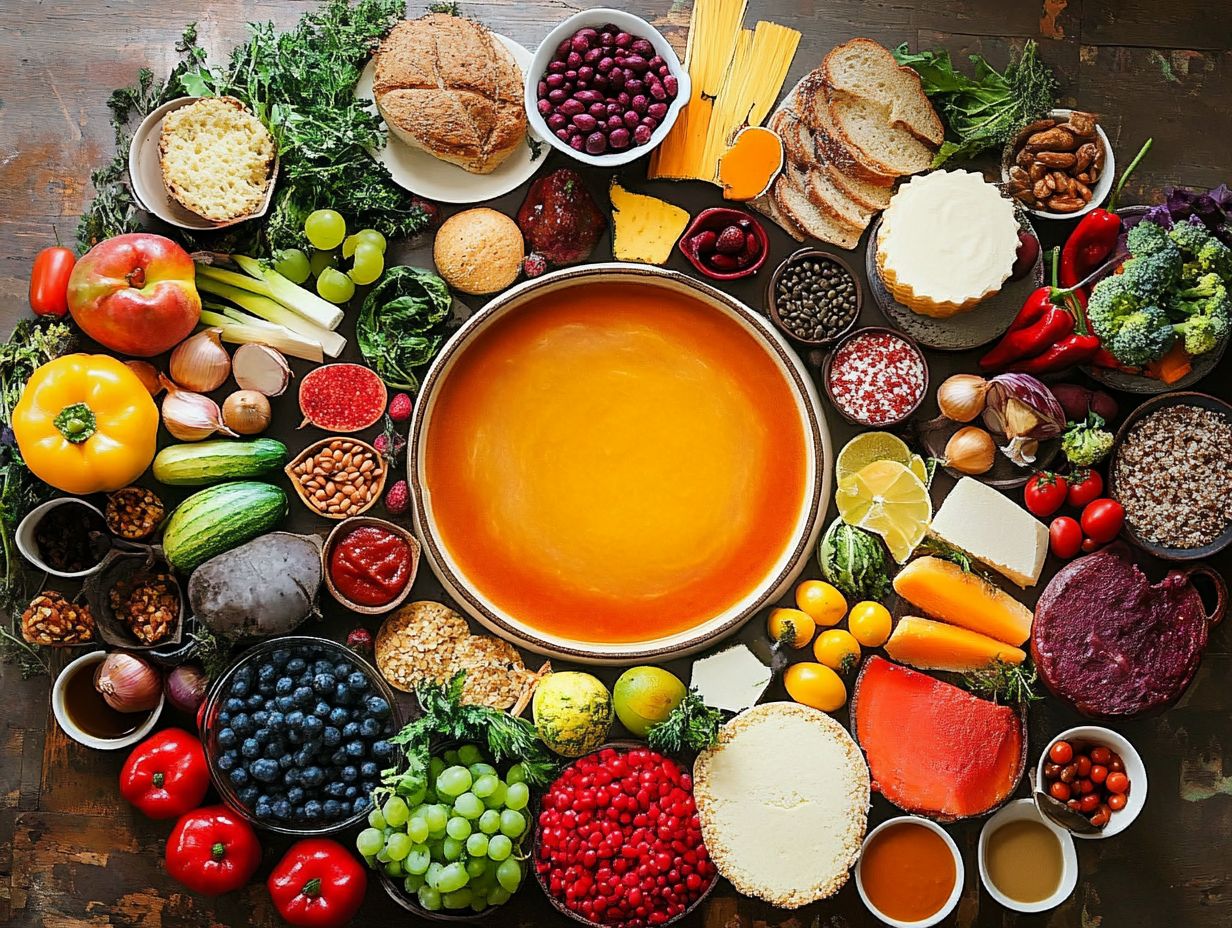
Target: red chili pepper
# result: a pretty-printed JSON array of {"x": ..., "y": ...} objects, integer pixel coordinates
[
  {"x": 166, "y": 775},
  {"x": 1094, "y": 238},
  {"x": 317, "y": 884},
  {"x": 1045, "y": 318},
  {"x": 212, "y": 851},
  {"x": 1068, "y": 352},
  {"x": 1033, "y": 308}
]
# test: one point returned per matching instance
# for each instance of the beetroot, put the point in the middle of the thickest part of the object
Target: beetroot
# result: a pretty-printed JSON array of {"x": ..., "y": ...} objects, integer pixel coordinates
[
  {"x": 341, "y": 398},
  {"x": 560, "y": 218},
  {"x": 1114, "y": 645}
]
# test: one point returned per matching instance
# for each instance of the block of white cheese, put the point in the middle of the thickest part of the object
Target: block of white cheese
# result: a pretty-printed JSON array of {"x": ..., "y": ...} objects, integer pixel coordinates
[
  {"x": 731, "y": 679},
  {"x": 994, "y": 530}
]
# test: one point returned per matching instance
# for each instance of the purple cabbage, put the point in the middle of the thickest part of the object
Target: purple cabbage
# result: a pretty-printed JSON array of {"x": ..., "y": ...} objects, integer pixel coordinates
[{"x": 1212, "y": 209}]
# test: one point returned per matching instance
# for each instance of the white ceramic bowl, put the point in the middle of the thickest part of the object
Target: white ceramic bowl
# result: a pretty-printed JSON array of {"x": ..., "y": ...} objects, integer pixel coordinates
[
  {"x": 1099, "y": 192},
  {"x": 28, "y": 546},
  {"x": 634, "y": 26},
  {"x": 959, "y": 873},
  {"x": 780, "y": 577},
  {"x": 1019, "y": 810},
  {"x": 1134, "y": 769},
  {"x": 81, "y": 737},
  {"x": 146, "y": 175}
]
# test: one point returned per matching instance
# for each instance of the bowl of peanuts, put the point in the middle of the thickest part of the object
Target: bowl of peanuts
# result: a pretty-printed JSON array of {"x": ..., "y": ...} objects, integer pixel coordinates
[
  {"x": 338, "y": 477},
  {"x": 1059, "y": 167}
]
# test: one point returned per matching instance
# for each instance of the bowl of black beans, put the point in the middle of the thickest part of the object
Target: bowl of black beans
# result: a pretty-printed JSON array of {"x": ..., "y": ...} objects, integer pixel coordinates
[
  {"x": 296, "y": 732},
  {"x": 814, "y": 298}
]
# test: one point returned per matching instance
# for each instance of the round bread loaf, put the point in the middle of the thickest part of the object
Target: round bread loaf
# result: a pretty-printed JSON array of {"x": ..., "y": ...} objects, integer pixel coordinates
[
  {"x": 447, "y": 86},
  {"x": 478, "y": 251}
]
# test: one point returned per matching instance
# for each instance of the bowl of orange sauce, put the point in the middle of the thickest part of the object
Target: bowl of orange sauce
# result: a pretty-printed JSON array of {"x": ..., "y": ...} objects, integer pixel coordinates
[
  {"x": 617, "y": 463},
  {"x": 910, "y": 873}
]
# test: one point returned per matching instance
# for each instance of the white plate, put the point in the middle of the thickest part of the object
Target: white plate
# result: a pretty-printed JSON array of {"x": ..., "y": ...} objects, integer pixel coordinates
[{"x": 421, "y": 173}]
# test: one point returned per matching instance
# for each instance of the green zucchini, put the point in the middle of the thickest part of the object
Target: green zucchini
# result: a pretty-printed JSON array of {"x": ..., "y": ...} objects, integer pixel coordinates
[
  {"x": 195, "y": 464},
  {"x": 220, "y": 518}
]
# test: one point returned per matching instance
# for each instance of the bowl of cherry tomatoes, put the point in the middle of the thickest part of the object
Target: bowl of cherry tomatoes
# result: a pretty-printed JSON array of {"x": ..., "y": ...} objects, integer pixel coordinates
[{"x": 1098, "y": 774}]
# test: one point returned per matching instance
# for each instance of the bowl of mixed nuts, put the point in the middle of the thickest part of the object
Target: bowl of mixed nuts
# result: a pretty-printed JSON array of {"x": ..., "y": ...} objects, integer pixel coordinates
[
  {"x": 1059, "y": 167},
  {"x": 136, "y": 600},
  {"x": 338, "y": 477}
]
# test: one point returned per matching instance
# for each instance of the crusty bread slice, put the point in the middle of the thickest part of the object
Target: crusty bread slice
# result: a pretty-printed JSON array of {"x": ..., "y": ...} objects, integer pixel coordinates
[
  {"x": 865, "y": 69},
  {"x": 791, "y": 196},
  {"x": 865, "y": 126},
  {"x": 870, "y": 197},
  {"x": 767, "y": 206},
  {"x": 810, "y": 103},
  {"x": 802, "y": 155}
]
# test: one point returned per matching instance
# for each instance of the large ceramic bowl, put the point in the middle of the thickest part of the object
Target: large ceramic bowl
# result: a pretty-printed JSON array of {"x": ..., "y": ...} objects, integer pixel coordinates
[{"x": 805, "y": 414}]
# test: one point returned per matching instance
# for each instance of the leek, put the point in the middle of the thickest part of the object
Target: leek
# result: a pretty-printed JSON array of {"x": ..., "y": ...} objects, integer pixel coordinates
[
  {"x": 304, "y": 302},
  {"x": 269, "y": 309},
  {"x": 285, "y": 341}
]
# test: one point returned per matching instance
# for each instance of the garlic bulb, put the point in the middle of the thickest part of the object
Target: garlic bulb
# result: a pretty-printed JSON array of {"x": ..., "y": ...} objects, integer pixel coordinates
[
  {"x": 970, "y": 450},
  {"x": 961, "y": 397},
  {"x": 190, "y": 416},
  {"x": 200, "y": 362},
  {"x": 246, "y": 412},
  {"x": 261, "y": 368}
]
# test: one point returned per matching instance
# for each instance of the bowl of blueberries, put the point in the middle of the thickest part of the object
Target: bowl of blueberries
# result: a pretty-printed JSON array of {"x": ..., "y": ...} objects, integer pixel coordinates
[{"x": 296, "y": 733}]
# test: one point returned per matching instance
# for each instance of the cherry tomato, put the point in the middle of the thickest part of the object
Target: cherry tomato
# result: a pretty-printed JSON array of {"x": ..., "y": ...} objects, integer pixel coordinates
[
  {"x": 1075, "y": 804},
  {"x": 1101, "y": 755},
  {"x": 1059, "y": 792},
  {"x": 1061, "y": 752},
  {"x": 1044, "y": 493},
  {"x": 1102, "y": 520},
  {"x": 1101, "y": 816},
  {"x": 1085, "y": 486},
  {"x": 1051, "y": 770},
  {"x": 1085, "y": 787},
  {"x": 1117, "y": 782},
  {"x": 1084, "y": 765},
  {"x": 1116, "y": 802},
  {"x": 1089, "y": 545},
  {"x": 1115, "y": 764},
  {"x": 1099, "y": 773},
  {"x": 1088, "y": 803},
  {"x": 49, "y": 281},
  {"x": 1065, "y": 537}
]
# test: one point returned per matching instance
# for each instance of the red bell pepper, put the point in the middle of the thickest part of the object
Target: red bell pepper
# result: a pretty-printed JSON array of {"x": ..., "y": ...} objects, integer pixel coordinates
[
  {"x": 317, "y": 884},
  {"x": 1094, "y": 238},
  {"x": 213, "y": 851},
  {"x": 49, "y": 281},
  {"x": 1046, "y": 318},
  {"x": 166, "y": 775}
]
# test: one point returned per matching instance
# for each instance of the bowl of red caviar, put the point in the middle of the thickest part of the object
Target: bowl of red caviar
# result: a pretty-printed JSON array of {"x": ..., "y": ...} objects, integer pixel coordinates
[{"x": 876, "y": 377}]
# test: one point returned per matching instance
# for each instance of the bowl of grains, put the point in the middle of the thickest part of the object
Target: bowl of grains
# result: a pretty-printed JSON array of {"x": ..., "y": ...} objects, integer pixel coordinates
[
  {"x": 875, "y": 377},
  {"x": 814, "y": 298},
  {"x": 1172, "y": 471}
]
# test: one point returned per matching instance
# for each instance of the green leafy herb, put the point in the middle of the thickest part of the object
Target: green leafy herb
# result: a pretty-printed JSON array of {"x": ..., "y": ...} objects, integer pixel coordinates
[
  {"x": 445, "y": 717},
  {"x": 402, "y": 324},
  {"x": 213, "y": 651},
  {"x": 691, "y": 726},
  {"x": 854, "y": 561},
  {"x": 1005, "y": 683},
  {"x": 946, "y": 551},
  {"x": 449, "y": 9},
  {"x": 985, "y": 111}
]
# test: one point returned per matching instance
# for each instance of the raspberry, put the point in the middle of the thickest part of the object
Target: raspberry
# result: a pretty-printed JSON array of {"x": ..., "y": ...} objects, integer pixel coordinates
[
  {"x": 400, "y": 407},
  {"x": 730, "y": 241},
  {"x": 359, "y": 640},
  {"x": 398, "y": 498},
  {"x": 534, "y": 264}
]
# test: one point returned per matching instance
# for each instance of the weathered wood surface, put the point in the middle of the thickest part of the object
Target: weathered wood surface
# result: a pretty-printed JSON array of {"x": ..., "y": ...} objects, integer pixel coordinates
[{"x": 72, "y": 854}]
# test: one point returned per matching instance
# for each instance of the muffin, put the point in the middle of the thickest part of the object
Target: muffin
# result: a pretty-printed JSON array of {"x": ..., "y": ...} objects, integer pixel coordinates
[{"x": 478, "y": 251}]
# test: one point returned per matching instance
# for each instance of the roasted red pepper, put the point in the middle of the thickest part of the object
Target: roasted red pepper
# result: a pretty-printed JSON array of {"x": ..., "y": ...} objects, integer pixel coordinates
[
  {"x": 1094, "y": 238},
  {"x": 317, "y": 884},
  {"x": 166, "y": 775},
  {"x": 213, "y": 851},
  {"x": 1055, "y": 323}
]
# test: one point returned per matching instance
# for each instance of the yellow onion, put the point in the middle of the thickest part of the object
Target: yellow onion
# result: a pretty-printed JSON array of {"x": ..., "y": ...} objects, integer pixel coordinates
[
  {"x": 246, "y": 412},
  {"x": 961, "y": 397},
  {"x": 128, "y": 683},
  {"x": 970, "y": 450},
  {"x": 261, "y": 368},
  {"x": 200, "y": 362},
  {"x": 190, "y": 416}
]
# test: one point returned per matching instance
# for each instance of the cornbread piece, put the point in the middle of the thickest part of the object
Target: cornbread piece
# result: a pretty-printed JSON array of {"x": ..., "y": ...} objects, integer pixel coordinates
[
  {"x": 787, "y": 838},
  {"x": 994, "y": 530},
  {"x": 947, "y": 241},
  {"x": 217, "y": 158},
  {"x": 446, "y": 85},
  {"x": 478, "y": 251}
]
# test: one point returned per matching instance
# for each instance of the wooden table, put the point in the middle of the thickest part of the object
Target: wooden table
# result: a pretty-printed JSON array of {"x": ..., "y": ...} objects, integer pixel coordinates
[{"x": 71, "y": 853}]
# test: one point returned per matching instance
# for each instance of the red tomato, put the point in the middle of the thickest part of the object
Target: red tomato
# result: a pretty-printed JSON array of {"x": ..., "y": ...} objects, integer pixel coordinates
[
  {"x": 1061, "y": 752},
  {"x": 49, "y": 281},
  {"x": 1117, "y": 783},
  {"x": 1116, "y": 802},
  {"x": 1044, "y": 493},
  {"x": 1101, "y": 755},
  {"x": 1065, "y": 537},
  {"x": 1085, "y": 486},
  {"x": 1059, "y": 791},
  {"x": 1099, "y": 773},
  {"x": 1102, "y": 520},
  {"x": 1088, "y": 803}
]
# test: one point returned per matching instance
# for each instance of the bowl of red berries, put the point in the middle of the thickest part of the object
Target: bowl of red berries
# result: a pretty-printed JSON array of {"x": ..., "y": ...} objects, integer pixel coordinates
[
  {"x": 619, "y": 844},
  {"x": 724, "y": 243},
  {"x": 1098, "y": 774}
]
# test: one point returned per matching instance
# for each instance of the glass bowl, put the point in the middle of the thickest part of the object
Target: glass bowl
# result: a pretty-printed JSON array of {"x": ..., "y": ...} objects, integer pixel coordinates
[{"x": 219, "y": 691}]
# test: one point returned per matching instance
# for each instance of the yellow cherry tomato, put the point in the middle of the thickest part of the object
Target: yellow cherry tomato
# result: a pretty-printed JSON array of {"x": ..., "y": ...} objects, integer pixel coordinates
[
  {"x": 837, "y": 649},
  {"x": 791, "y": 626},
  {"x": 870, "y": 622},
  {"x": 821, "y": 601},
  {"x": 815, "y": 685}
]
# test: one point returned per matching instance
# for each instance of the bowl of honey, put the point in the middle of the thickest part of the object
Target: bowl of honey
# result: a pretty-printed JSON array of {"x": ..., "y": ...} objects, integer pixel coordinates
[{"x": 910, "y": 873}]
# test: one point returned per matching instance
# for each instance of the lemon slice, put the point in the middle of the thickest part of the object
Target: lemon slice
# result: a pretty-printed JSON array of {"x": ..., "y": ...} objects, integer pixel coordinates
[
  {"x": 919, "y": 467},
  {"x": 868, "y": 447},
  {"x": 886, "y": 498}
]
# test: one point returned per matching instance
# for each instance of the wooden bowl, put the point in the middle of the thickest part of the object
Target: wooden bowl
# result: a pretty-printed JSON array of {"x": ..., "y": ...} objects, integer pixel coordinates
[
  {"x": 292, "y": 472},
  {"x": 772, "y": 303},
  {"x": 874, "y": 330},
  {"x": 1163, "y": 400},
  {"x": 338, "y": 532}
]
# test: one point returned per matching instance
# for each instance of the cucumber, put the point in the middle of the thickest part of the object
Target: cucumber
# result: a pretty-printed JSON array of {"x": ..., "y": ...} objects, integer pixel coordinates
[
  {"x": 196, "y": 464},
  {"x": 220, "y": 518}
]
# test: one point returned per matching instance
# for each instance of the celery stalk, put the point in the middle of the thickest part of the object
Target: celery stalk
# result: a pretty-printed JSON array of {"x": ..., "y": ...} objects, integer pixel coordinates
[{"x": 304, "y": 302}]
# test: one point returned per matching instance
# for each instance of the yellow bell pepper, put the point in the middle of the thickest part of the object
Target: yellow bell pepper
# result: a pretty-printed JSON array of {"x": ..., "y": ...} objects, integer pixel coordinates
[{"x": 85, "y": 423}]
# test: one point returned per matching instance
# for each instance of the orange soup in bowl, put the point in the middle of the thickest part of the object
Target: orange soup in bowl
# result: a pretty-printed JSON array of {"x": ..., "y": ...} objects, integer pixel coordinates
[{"x": 615, "y": 462}]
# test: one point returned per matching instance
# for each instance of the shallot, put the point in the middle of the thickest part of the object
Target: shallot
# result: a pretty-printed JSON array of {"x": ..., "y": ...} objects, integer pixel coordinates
[
  {"x": 185, "y": 688},
  {"x": 961, "y": 397},
  {"x": 246, "y": 412},
  {"x": 970, "y": 450},
  {"x": 128, "y": 683},
  {"x": 147, "y": 373},
  {"x": 191, "y": 416}
]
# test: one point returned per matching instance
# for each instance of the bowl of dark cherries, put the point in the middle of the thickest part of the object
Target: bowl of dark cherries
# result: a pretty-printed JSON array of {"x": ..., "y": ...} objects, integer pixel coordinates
[
  {"x": 296, "y": 732},
  {"x": 605, "y": 87},
  {"x": 724, "y": 243}
]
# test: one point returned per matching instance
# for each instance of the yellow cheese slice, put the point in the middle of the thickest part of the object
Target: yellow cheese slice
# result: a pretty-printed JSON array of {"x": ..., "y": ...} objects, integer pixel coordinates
[{"x": 644, "y": 228}]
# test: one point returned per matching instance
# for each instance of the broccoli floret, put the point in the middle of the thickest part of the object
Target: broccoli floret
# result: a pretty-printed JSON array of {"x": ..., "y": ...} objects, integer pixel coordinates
[
  {"x": 1202, "y": 250},
  {"x": 1086, "y": 443},
  {"x": 1216, "y": 257},
  {"x": 1151, "y": 277},
  {"x": 1146, "y": 238},
  {"x": 1207, "y": 296},
  {"x": 1202, "y": 333},
  {"x": 1144, "y": 336},
  {"x": 1189, "y": 237},
  {"x": 1111, "y": 301}
]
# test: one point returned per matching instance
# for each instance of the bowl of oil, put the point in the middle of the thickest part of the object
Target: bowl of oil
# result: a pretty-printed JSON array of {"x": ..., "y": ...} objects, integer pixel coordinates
[{"x": 1026, "y": 863}]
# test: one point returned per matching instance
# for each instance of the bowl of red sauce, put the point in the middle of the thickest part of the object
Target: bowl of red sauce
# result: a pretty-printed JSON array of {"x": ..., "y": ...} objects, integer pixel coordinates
[
  {"x": 876, "y": 377},
  {"x": 369, "y": 564}
]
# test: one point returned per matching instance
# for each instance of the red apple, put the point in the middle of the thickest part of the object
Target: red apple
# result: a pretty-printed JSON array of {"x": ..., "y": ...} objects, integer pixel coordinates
[{"x": 135, "y": 294}]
